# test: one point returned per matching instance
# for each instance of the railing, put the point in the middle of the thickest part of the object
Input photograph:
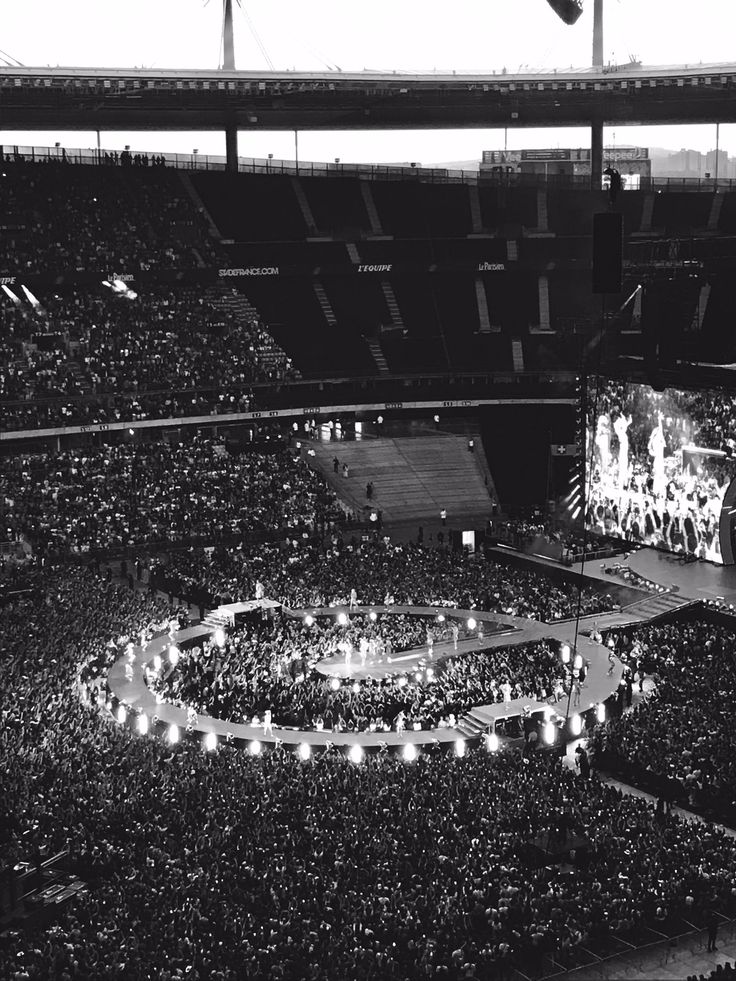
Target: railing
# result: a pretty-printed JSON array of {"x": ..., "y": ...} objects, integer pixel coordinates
[{"x": 92, "y": 156}]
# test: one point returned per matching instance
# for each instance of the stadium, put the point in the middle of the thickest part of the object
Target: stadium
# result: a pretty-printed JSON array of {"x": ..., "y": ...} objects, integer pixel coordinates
[{"x": 368, "y": 538}]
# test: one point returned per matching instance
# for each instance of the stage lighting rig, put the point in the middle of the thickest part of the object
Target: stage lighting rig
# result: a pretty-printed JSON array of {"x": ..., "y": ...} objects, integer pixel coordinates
[{"x": 567, "y": 10}]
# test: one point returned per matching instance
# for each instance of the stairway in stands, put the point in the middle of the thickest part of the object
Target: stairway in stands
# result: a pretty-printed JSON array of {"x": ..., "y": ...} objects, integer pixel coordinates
[
  {"x": 269, "y": 355},
  {"x": 374, "y": 346}
]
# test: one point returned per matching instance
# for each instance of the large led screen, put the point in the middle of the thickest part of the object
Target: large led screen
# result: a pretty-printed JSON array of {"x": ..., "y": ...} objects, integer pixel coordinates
[{"x": 659, "y": 464}]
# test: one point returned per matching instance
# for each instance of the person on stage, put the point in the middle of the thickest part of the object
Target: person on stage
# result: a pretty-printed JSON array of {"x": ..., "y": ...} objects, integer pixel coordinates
[
  {"x": 353, "y": 598},
  {"x": 620, "y": 427},
  {"x": 656, "y": 448},
  {"x": 267, "y": 723}
]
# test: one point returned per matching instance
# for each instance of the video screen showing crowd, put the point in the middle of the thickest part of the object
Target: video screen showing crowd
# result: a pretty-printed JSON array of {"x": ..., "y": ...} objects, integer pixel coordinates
[{"x": 660, "y": 464}]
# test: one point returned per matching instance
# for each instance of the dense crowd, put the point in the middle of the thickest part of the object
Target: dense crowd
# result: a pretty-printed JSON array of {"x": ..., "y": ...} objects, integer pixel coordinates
[
  {"x": 317, "y": 573},
  {"x": 273, "y": 673},
  {"x": 661, "y": 465},
  {"x": 225, "y": 865},
  {"x": 99, "y": 343},
  {"x": 115, "y": 496},
  {"x": 59, "y": 219},
  {"x": 682, "y": 737}
]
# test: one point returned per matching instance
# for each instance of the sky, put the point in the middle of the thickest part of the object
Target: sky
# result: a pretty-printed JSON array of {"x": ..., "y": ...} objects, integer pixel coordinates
[{"x": 408, "y": 35}]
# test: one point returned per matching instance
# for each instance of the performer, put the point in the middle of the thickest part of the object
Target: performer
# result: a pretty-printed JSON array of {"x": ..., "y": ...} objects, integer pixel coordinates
[
  {"x": 400, "y": 722},
  {"x": 657, "y": 444},
  {"x": 353, "y": 598},
  {"x": 603, "y": 441},
  {"x": 260, "y": 591},
  {"x": 267, "y": 724},
  {"x": 620, "y": 427},
  {"x": 506, "y": 689}
]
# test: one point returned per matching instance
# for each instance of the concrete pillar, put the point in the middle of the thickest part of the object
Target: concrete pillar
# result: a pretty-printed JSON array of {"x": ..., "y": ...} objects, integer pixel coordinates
[
  {"x": 598, "y": 34},
  {"x": 231, "y": 148}
]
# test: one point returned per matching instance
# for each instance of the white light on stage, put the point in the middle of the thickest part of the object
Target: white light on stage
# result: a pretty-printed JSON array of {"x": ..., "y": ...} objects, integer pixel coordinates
[
  {"x": 472, "y": 623},
  {"x": 418, "y": 675},
  {"x": 210, "y": 741},
  {"x": 308, "y": 620},
  {"x": 430, "y": 674},
  {"x": 356, "y": 687},
  {"x": 402, "y": 682},
  {"x": 576, "y": 512},
  {"x": 335, "y": 684},
  {"x": 121, "y": 715},
  {"x": 576, "y": 725},
  {"x": 550, "y": 733},
  {"x": 11, "y": 295},
  {"x": 492, "y": 742},
  {"x": 305, "y": 751},
  {"x": 565, "y": 652},
  {"x": 254, "y": 748},
  {"x": 600, "y": 712},
  {"x": 460, "y": 747},
  {"x": 220, "y": 637},
  {"x": 143, "y": 724},
  {"x": 417, "y": 726},
  {"x": 379, "y": 420},
  {"x": 410, "y": 752},
  {"x": 356, "y": 753},
  {"x": 173, "y": 655},
  {"x": 578, "y": 662},
  {"x": 440, "y": 618},
  {"x": 373, "y": 616},
  {"x": 342, "y": 619},
  {"x": 547, "y": 712},
  {"x": 173, "y": 734}
]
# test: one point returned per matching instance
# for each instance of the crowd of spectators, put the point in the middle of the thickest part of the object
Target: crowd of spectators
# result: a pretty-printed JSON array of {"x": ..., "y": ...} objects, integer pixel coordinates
[
  {"x": 680, "y": 740},
  {"x": 223, "y": 865},
  {"x": 61, "y": 219},
  {"x": 315, "y": 573},
  {"x": 120, "y": 495},
  {"x": 275, "y": 671},
  {"x": 98, "y": 344}
]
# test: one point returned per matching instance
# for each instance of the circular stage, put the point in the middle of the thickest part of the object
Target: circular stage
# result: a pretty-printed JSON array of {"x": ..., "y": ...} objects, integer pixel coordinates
[{"x": 127, "y": 683}]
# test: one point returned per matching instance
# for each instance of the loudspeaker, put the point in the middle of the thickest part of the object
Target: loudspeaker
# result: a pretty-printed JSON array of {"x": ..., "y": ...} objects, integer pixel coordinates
[{"x": 608, "y": 252}]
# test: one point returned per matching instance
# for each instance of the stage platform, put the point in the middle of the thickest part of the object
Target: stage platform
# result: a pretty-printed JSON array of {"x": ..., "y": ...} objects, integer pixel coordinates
[
  {"x": 692, "y": 580},
  {"x": 136, "y": 695}
]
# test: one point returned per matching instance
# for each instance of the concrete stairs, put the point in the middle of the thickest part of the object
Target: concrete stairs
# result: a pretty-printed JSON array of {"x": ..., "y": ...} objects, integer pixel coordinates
[
  {"x": 304, "y": 206},
  {"x": 512, "y": 250},
  {"x": 324, "y": 302},
  {"x": 237, "y": 306},
  {"x": 715, "y": 210},
  {"x": 378, "y": 356},
  {"x": 392, "y": 304},
  {"x": 475, "y": 213},
  {"x": 353, "y": 252},
  {"x": 217, "y": 619},
  {"x": 542, "y": 216},
  {"x": 655, "y": 606},
  {"x": 545, "y": 325},
  {"x": 199, "y": 204},
  {"x": 517, "y": 353},
  {"x": 370, "y": 207},
  {"x": 482, "y": 301}
]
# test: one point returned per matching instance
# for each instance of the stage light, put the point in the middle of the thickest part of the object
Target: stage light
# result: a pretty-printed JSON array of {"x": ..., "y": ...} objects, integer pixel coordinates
[
  {"x": 356, "y": 687},
  {"x": 373, "y": 616},
  {"x": 220, "y": 637},
  {"x": 143, "y": 724},
  {"x": 342, "y": 619},
  {"x": 254, "y": 748},
  {"x": 550, "y": 733},
  {"x": 460, "y": 747},
  {"x": 578, "y": 662},
  {"x": 417, "y": 726},
  {"x": 402, "y": 682},
  {"x": 418, "y": 675},
  {"x": 430, "y": 674},
  {"x": 11, "y": 295},
  {"x": 576, "y": 725},
  {"x": 210, "y": 741},
  {"x": 440, "y": 618},
  {"x": 173, "y": 655},
  {"x": 472, "y": 623},
  {"x": 565, "y": 652},
  {"x": 305, "y": 751},
  {"x": 576, "y": 512},
  {"x": 492, "y": 742},
  {"x": 355, "y": 753},
  {"x": 31, "y": 298},
  {"x": 173, "y": 734},
  {"x": 308, "y": 620},
  {"x": 379, "y": 420},
  {"x": 568, "y": 11},
  {"x": 121, "y": 715},
  {"x": 409, "y": 752},
  {"x": 600, "y": 712},
  {"x": 335, "y": 684}
]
